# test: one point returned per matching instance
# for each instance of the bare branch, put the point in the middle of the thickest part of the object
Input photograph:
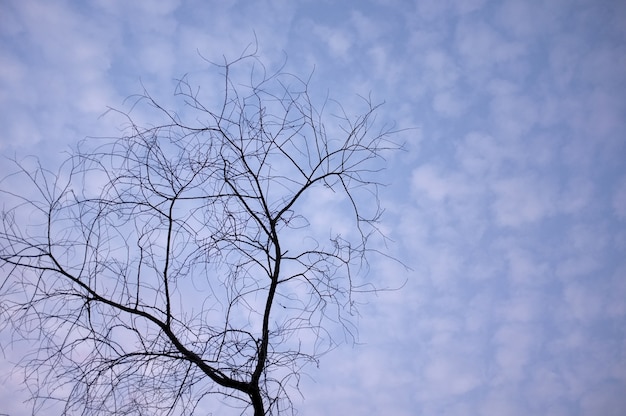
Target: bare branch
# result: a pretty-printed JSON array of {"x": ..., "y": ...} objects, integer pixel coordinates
[{"x": 179, "y": 263}]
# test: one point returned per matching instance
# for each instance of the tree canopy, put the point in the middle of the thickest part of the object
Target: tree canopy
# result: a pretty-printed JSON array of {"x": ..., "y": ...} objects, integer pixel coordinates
[{"x": 185, "y": 259}]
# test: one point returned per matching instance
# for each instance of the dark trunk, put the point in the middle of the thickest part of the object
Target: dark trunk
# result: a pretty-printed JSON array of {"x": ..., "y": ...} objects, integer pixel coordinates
[{"x": 257, "y": 403}]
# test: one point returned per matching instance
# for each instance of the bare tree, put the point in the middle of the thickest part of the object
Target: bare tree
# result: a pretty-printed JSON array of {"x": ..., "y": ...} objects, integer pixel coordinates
[{"x": 179, "y": 262}]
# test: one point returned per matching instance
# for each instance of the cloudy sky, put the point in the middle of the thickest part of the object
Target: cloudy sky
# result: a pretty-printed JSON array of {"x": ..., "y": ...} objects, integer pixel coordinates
[{"x": 509, "y": 204}]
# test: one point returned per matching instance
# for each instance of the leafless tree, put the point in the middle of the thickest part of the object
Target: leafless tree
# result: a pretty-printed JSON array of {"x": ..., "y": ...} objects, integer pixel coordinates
[{"x": 179, "y": 261}]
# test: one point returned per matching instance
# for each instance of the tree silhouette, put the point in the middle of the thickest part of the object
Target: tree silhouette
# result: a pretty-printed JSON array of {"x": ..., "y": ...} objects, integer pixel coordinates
[{"x": 179, "y": 261}]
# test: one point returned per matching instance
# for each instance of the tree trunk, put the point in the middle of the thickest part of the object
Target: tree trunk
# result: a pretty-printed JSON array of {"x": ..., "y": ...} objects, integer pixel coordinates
[{"x": 257, "y": 403}]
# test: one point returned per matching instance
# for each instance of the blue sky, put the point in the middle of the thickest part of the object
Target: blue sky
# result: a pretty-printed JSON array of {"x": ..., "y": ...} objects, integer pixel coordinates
[{"x": 509, "y": 204}]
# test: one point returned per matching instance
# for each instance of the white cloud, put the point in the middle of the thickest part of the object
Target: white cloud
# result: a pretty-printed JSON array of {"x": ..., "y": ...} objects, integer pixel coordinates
[
  {"x": 576, "y": 195},
  {"x": 526, "y": 268},
  {"x": 434, "y": 10},
  {"x": 368, "y": 27},
  {"x": 339, "y": 41},
  {"x": 503, "y": 401},
  {"x": 449, "y": 104},
  {"x": 467, "y": 6},
  {"x": 510, "y": 210},
  {"x": 526, "y": 21},
  {"x": 606, "y": 398},
  {"x": 442, "y": 70},
  {"x": 479, "y": 154},
  {"x": 514, "y": 345},
  {"x": 513, "y": 115},
  {"x": 433, "y": 183},
  {"x": 155, "y": 8},
  {"x": 63, "y": 57},
  {"x": 480, "y": 45},
  {"x": 547, "y": 390},
  {"x": 582, "y": 303},
  {"x": 521, "y": 200},
  {"x": 449, "y": 375}
]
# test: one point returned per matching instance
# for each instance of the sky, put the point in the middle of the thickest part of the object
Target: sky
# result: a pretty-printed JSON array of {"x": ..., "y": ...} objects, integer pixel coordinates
[{"x": 508, "y": 203}]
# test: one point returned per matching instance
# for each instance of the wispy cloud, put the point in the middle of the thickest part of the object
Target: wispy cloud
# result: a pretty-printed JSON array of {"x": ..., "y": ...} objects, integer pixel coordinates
[{"x": 509, "y": 206}]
